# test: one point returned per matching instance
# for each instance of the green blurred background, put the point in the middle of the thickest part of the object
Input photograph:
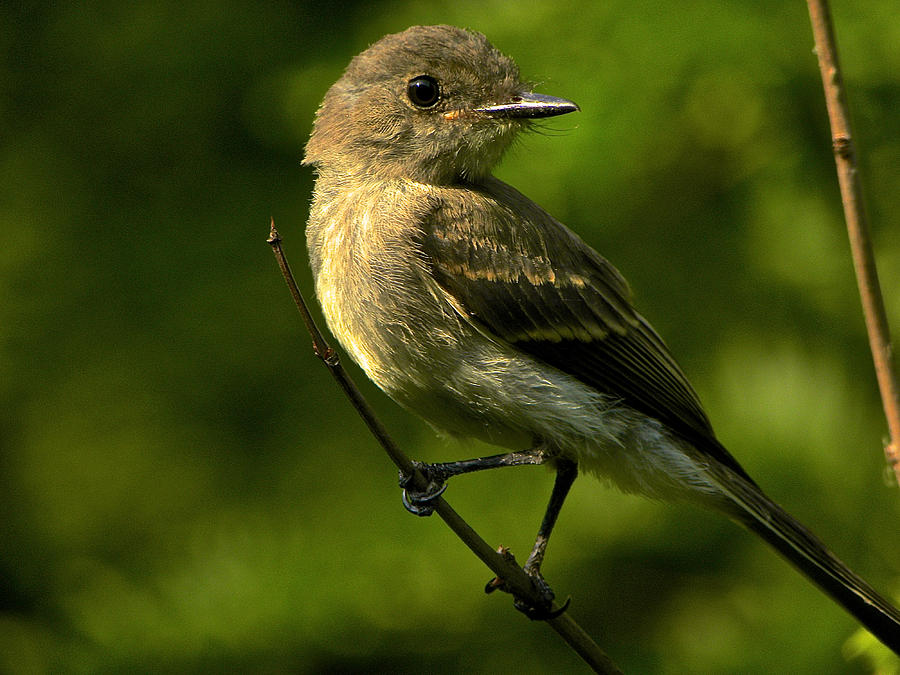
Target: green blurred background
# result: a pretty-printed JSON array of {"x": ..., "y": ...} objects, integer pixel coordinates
[{"x": 184, "y": 489}]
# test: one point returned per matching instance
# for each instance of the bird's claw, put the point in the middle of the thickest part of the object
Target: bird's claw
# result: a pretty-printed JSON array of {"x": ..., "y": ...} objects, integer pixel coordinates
[
  {"x": 421, "y": 502},
  {"x": 543, "y": 611},
  {"x": 540, "y": 612}
]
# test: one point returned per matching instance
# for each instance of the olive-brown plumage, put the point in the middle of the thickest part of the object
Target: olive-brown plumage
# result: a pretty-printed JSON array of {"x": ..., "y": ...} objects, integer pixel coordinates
[{"x": 472, "y": 306}]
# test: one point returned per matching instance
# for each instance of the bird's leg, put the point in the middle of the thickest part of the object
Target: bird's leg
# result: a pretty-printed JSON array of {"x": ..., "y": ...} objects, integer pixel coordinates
[
  {"x": 566, "y": 472},
  {"x": 420, "y": 502}
]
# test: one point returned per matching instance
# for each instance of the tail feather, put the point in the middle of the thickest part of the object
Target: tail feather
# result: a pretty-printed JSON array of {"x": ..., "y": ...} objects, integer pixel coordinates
[{"x": 804, "y": 550}]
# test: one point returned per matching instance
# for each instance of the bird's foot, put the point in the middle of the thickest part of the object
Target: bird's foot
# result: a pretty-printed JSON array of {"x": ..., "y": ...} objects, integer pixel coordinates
[
  {"x": 540, "y": 611},
  {"x": 421, "y": 502}
]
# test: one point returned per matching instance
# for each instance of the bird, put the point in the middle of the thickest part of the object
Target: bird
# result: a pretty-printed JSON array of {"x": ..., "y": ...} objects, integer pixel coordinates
[{"x": 471, "y": 306}]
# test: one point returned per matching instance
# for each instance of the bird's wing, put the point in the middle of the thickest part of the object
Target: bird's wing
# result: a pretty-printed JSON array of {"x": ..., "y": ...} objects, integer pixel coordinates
[{"x": 515, "y": 272}]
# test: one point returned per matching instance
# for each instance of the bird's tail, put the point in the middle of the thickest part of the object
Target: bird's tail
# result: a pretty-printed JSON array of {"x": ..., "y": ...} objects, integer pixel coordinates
[{"x": 804, "y": 550}]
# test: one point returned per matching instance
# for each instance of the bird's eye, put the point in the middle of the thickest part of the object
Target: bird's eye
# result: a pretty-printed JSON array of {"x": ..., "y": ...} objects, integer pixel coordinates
[{"x": 423, "y": 91}]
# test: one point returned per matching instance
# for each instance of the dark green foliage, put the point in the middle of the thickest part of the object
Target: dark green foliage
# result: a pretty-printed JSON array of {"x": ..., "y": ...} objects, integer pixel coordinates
[{"x": 182, "y": 487}]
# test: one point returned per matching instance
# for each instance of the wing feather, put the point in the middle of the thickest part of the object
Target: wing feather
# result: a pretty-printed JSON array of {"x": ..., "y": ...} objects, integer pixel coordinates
[{"x": 523, "y": 277}]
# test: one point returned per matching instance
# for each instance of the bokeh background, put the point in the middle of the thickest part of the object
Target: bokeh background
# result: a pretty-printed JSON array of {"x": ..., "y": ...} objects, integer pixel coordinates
[{"x": 183, "y": 488}]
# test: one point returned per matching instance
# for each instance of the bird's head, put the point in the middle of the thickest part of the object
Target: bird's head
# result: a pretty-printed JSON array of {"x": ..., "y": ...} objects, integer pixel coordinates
[{"x": 435, "y": 104}]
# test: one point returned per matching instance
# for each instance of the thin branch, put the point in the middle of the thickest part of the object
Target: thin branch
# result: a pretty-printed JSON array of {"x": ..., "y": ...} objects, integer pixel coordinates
[
  {"x": 857, "y": 225},
  {"x": 500, "y": 563}
]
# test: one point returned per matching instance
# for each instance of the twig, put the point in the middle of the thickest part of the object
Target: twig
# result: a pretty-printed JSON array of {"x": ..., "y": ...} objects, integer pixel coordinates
[
  {"x": 504, "y": 566},
  {"x": 857, "y": 225}
]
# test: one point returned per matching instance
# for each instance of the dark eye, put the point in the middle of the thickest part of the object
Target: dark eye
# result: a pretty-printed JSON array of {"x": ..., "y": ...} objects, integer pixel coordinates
[{"x": 423, "y": 91}]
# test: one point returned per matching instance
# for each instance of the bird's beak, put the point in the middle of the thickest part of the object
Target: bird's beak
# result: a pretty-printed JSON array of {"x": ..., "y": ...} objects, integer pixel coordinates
[{"x": 530, "y": 105}]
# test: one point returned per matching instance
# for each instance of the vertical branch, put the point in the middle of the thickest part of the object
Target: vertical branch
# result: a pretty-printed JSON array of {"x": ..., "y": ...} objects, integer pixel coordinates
[{"x": 857, "y": 225}]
